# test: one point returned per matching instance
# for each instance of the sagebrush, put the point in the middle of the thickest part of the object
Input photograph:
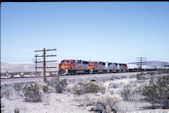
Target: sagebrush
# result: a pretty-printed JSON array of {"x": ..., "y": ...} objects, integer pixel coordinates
[
  {"x": 32, "y": 93},
  {"x": 87, "y": 87},
  {"x": 157, "y": 92}
]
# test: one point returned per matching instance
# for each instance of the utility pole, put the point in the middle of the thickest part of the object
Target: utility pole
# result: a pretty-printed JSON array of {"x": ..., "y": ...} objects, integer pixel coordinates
[
  {"x": 36, "y": 65},
  {"x": 44, "y": 61},
  {"x": 44, "y": 65},
  {"x": 140, "y": 63}
]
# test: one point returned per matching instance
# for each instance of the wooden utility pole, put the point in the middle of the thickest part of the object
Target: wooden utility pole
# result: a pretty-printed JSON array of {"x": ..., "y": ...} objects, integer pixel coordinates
[
  {"x": 44, "y": 61},
  {"x": 36, "y": 65},
  {"x": 44, "y": 65}
]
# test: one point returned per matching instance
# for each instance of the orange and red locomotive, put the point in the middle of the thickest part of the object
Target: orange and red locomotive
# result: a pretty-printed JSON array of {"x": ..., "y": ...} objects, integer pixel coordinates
[{"x": 72, "y": 67}]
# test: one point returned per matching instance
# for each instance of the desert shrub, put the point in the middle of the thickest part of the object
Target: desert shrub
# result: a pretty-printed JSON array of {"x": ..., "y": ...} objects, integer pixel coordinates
[
  {"x": 113, "y": 85},
  {"x": 45, "y": 88},
  {"x": 123, "y": 76},
  {"x": 60, "y": 85},
  {"x": 142, "y": 77},
  {"x": 126, "y": 93},
  {"x": 87, "y": 99},
  {"x": 18, "y": 86},
  {"x": 89, "y": 87},
  {"x": 5, "y": 90},
  {"x": 32, "y": 93},
  {"x": 151, "y": 72},
  {"x": 58, "y": 88},
  {"x": 53, "y": 81},
  {"x": 162, "y": 71},
  {"x": 157, "y": 92},
  {"x": 16, "y": 110},
  {"x": 132, "y": 76},
  {"x": 131, "y": 92},
  {"x": 115, "y": 77},
  {"x": 105, "y": 104},
  {"x": 8, "y": 91}
]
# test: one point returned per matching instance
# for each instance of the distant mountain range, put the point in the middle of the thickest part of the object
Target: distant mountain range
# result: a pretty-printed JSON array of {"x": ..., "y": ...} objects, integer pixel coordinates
[
  {"x": 21, "y": 67},
  {"x": 31, "y": 67}
]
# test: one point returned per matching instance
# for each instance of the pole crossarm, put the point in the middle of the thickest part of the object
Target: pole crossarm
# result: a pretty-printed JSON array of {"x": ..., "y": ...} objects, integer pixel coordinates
[
  {"x": 44, "y": 61},
  {"x": 46, "y": 67},
  {"x": 46, "y": 50},
  {"x": 46, "y": 56},
  {"x": 38, "y": 50},
  {"x": 50, "y": 49}
]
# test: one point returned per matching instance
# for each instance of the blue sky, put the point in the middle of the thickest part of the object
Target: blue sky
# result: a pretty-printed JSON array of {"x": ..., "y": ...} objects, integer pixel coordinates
[{"x": 102, "y": 31}]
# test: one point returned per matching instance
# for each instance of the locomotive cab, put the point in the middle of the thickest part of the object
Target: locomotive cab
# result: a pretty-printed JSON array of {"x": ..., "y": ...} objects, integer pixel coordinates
[
  {"x": 101, "y": 67},
  {"x": 69, "y": 67},
  {"x": 112, "y": 67},
  {"x": 65, "y": 67}
]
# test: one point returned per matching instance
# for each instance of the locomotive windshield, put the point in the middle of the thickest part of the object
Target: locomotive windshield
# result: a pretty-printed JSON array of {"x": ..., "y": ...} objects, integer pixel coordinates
[
  {"x": 66, "y": 62},
  {"x": 109, "y": 64},
  {"x": 93, "y": 63}
]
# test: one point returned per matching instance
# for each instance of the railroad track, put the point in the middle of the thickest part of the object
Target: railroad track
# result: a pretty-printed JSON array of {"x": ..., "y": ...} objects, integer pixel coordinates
[{"x": 34, "y": 79}]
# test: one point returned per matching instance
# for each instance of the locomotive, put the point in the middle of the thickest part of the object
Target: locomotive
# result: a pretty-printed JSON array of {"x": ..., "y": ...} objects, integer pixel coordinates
[{"x": 73, "y": 67}]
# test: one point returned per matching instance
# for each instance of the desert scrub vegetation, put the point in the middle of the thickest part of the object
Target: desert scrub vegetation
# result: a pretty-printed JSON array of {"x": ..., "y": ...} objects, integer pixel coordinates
[
  {"x": 45, "y": 88},
  {"x": 131, "y": 92},
  {"x": 58, "y": 84},
  {"x": 18, "y": 86},
  {"x": 53, "y": 81},
  {"x": 152, "y": 72},
  {"x": 32, "y": 93},
  {"x": 8, "y": 91},
  {"x": 163, "y": 71},
  {"x": 87, "y": 87},
  {"x": 157, "y": 92},
  {"x": 114, "y": 85},
  {"x": 5, "y": 90},
  {"x": 16, "y": 110},
  {"x": 115, "y": 77},
  {"x": 126, "y": 92},
  {"x": 143, "y": 76},
  {"x": 106, "y": 104}
]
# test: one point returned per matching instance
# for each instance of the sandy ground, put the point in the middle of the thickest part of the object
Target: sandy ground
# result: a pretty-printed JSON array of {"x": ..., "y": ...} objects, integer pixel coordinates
[{"x": 67, "y": 102}]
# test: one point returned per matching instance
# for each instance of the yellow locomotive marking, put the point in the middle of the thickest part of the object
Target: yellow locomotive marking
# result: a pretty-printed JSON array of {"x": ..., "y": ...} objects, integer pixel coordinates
[{"x": 64, "y": 67}]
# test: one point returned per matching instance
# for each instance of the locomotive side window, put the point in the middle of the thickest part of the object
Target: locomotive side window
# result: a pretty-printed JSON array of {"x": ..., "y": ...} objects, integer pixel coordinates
[
  {"x": 79, "y": 62},
  {"x": 85, "y": 62}
]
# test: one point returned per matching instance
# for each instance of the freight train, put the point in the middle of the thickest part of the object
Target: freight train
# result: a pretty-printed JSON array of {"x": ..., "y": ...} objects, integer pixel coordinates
[{"x": 73, "y": 67}]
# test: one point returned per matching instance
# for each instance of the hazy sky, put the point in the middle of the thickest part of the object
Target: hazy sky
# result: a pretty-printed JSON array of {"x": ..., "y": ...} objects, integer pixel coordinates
[{"x": 102, "y": 31}]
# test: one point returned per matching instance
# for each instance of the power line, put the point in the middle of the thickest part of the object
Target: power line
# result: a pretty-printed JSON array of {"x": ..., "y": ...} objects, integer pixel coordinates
[
  {"x": 44, "y": 61},
  {"x": 141, "y": 62}
]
